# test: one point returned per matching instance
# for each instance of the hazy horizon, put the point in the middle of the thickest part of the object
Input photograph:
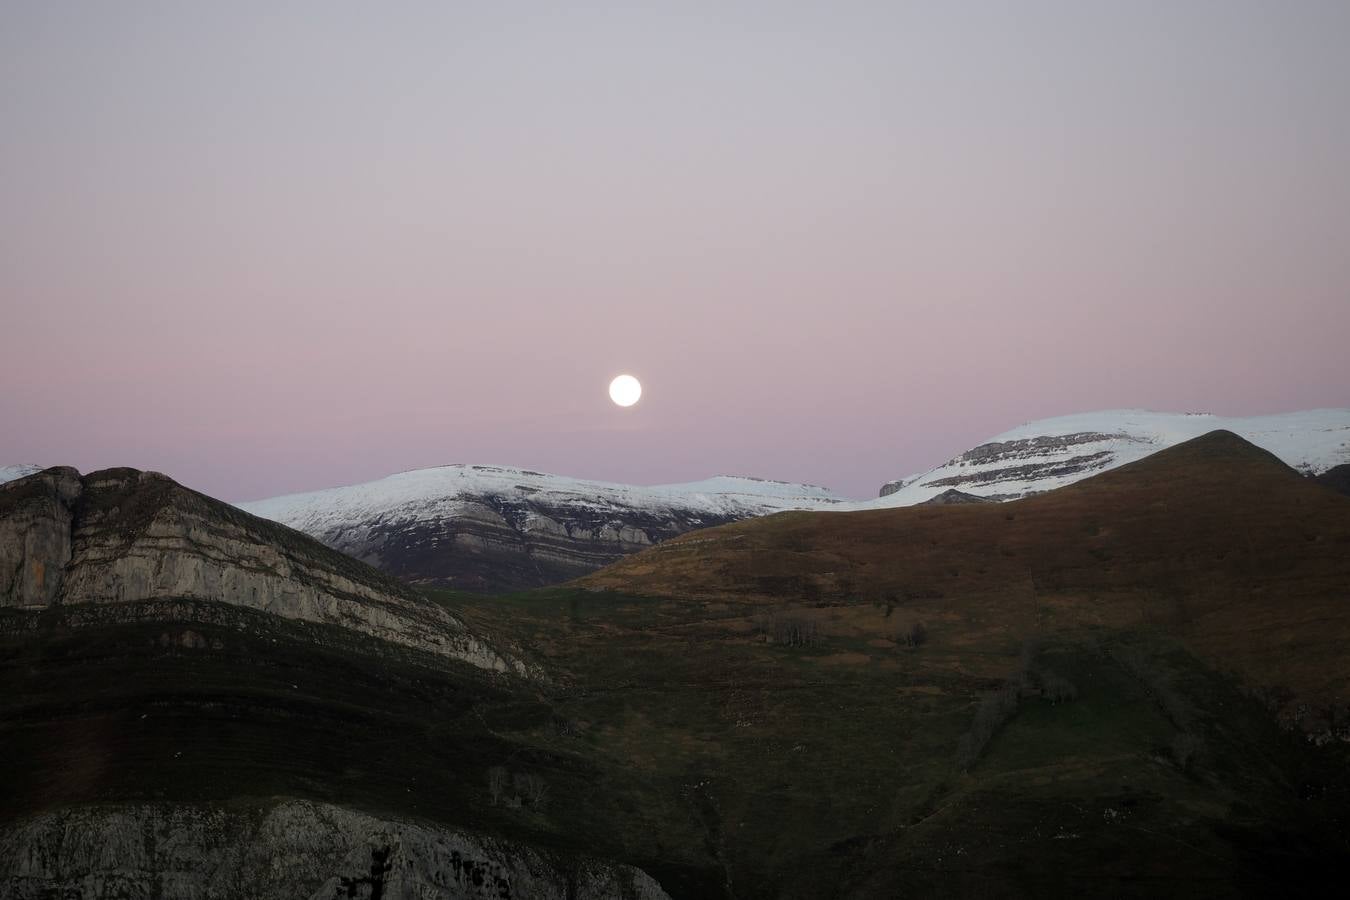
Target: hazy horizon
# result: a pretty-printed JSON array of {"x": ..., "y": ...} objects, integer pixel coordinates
[
  {"x": 864, "y": 495},
  {"x": 272, "y": 248}
]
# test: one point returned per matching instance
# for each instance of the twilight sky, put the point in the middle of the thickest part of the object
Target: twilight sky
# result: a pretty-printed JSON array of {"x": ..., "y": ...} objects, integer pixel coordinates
[{"x": 268, "y": 247}]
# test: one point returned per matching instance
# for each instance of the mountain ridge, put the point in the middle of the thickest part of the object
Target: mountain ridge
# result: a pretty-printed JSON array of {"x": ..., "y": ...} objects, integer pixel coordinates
[
  {"x": 493, "y": 528},
  {"x": 1050, "y": 453},
  {"x": 501, "y": 528}
]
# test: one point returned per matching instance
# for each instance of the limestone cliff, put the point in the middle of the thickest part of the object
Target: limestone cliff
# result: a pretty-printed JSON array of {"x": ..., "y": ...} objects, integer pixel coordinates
[
  {"x": 293, "y": 849},
  {"x": 122, "y": 536}
]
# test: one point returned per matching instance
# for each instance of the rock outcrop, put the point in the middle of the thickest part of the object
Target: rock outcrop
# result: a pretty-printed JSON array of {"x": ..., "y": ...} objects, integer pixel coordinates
[
  {"x": 294, "y": 849},
  {"x": 121, "y": 537},
  {"x": 36, "y": 516},
  {"x": 891, "y": 487},
  {"x": 490, "y": 529}
]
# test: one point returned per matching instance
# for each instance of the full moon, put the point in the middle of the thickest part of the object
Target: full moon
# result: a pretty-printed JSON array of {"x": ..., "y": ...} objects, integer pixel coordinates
[{"x": 625, "y": 390}]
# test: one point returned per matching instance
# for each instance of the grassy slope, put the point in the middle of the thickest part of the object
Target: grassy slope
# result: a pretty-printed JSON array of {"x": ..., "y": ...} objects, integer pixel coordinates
[
  {"x": 1214, "y": 540},
  {"x": 829, "y": 771}
]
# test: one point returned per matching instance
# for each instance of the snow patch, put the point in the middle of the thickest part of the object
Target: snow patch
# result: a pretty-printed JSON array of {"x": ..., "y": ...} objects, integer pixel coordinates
[{"x": 13, "y": 473}]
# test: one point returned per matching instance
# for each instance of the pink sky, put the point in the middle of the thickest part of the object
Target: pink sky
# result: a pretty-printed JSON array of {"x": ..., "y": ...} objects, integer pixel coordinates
[{"x": 272, "y": 251}]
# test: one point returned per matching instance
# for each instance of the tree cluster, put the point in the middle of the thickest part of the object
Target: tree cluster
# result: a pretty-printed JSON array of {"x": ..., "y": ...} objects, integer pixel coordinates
[
  {"x": 1157, "y": 680},
  {"x": 992, "y": 714},
  {"x": 915, "y": 635},
  {"x": 1055, "y": 687},
  {"x": 780, "y": 627},
  {"x": 996, "y": 709},
  {"x": 1041, "y": 679}
]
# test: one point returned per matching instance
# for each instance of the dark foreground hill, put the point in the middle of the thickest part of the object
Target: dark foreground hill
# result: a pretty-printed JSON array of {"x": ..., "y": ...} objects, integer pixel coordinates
[
  {"x": 198, "y": 702},
  {"x": 850, "y": 705}
]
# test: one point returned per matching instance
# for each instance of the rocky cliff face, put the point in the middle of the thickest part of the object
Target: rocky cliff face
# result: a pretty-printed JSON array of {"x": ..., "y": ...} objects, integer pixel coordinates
[
  {"x": 891, "y": 487},
  {"x": 36, "y": 529},
  {"x": 121, "y": 537},
  {"x": 1048, "y": 454},
  {"x": 295, "y": 849},
  {"x": 487, "y": 528}
]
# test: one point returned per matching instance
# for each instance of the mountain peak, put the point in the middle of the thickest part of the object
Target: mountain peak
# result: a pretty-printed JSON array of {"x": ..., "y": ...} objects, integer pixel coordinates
[
  {"x": 1219, "y": 456},
  {"x": 1222, "y": 445},
  {"x": 1050, "y": 453}
]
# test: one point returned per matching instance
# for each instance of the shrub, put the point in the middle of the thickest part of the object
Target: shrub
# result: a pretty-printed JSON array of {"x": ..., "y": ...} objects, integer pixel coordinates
[
  {"x": 992, "y": 714},
  {"x": 533, "y": 788},
  {"x": 892, "y": 600},
  {"x": 1185, "y": 747},
  {"x": 1157, "y": 680},
  {"x": 1026, "y": 658},
  {"x": 1056, "y": 688},
  {"x": 788, "y": 630},
  {"x": 498, "y": 779}
]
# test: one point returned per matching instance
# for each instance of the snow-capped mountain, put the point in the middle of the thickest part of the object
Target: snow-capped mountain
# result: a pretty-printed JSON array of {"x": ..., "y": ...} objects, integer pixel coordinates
[
  {"x": 490, "y": 528},
  {"x": 13, "y": 473},
  {"x": 1050, "y": 453}
]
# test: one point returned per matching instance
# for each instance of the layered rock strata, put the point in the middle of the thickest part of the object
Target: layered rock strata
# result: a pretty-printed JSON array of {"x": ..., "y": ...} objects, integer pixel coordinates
[
  {"x": 122, "y": 536},
  {"x": 294, "y": 849}
]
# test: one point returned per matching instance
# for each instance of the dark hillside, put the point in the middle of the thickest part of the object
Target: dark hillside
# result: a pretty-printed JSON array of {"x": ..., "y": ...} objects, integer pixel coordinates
[
  {"x": 1338, "y": 479},
  {"x": 1215, "y": 541}
]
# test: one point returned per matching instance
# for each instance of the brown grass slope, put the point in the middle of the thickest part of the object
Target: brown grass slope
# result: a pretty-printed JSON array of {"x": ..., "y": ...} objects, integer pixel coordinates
[
  {"x": 1338, "y": 479},
  {"x": 1213, "y": 540}
]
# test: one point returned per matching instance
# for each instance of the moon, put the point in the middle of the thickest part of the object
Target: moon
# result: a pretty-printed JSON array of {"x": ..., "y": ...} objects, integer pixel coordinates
[{"x": 625, "y": 390}]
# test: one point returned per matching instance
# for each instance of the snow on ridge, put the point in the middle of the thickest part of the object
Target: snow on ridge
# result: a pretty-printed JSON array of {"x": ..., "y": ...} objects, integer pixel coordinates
[
  {"x": 13, "y": 473},
  {"x": 424, "y": 494},
  {"x": 1028, "y": 459}
]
